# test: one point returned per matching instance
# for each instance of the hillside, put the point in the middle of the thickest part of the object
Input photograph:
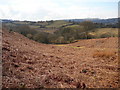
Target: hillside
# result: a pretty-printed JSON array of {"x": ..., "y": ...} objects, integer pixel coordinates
[
  {"x": 89, "y": 63},
  {"x": 51, "y": 26},
  {"x": 97, "y": 20}
]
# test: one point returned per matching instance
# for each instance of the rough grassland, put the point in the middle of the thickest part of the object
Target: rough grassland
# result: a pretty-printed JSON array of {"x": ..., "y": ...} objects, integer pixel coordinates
[{"x": 28, "y": 64}]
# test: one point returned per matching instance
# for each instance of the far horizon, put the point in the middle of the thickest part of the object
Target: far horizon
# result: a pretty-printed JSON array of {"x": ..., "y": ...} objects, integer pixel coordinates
[
  {"x": 59, "y": 19},
  {"x": 39, "y": 10}
]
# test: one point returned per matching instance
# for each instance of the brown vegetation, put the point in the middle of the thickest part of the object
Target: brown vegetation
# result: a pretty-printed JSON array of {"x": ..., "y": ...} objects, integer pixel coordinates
[
  {"x": 105, "y": 53},
  {"x": 29, "y": 64}
]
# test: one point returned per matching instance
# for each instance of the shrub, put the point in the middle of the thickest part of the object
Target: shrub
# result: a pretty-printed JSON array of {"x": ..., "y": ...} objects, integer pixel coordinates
[
  {"x": 41, "y": 37},
  {"x": 71, "y": 39},
  {"x": 60, "y": 39},
  {"x": 29, "y": 36},
  {"x": 91, "y": 35},
  {"x": 82, "y": 35},
  {"x": 87, "y": 25},
  {"x": 105, "y": 35}
]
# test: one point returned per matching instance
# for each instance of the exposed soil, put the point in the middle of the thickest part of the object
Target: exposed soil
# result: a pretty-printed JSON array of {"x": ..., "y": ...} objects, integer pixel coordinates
[{"x": 29, "y": 64}]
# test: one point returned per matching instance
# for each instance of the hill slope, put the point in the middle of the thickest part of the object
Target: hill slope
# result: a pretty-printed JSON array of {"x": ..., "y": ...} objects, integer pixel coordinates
[
  {"x": 28, "y": 64},
  {"x": 95, "y": 20}
]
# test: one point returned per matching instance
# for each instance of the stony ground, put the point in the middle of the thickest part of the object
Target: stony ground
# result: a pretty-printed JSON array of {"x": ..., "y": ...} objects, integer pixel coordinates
[{"x": 89, "y": 63}]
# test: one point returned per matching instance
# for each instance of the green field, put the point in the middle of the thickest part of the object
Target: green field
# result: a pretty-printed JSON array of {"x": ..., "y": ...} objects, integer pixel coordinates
[
  {"x": 112, "y": 31},
  {"x": 58, "y": 24}
]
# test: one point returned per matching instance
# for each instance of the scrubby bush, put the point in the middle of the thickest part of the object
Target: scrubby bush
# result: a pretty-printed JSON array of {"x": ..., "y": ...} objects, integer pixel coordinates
[
  {"x": 25, "y": 29},
  {"x": 81, "y": 35},
  {"x": 87, "y": 26},
  {"x": 91, "y": 36},
  {"x": 105, "y": 35},
  {"x": 41, "y": 37},
  {"x": 60, "y": 39}
]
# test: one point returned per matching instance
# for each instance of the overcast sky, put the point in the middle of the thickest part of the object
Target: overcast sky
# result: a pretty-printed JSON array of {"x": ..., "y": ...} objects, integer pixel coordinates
[{"x": 36, "y": 10}]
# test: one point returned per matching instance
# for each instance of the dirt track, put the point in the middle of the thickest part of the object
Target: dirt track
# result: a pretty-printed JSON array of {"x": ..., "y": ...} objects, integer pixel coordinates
[{"x": 28, "y": 64}]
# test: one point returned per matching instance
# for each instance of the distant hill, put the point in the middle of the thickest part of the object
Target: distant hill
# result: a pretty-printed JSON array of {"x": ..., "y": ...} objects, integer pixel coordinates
[
  {"x": 96, "y": 20},
  {"x": 54, "y": 25},
  {"x": 6, "y": 20}
]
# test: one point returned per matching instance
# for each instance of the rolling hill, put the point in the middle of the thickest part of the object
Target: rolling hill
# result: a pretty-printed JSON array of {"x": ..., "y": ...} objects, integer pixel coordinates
[
  {"x": 89, "y": 63},
  {"x": 97, "y": 20}
]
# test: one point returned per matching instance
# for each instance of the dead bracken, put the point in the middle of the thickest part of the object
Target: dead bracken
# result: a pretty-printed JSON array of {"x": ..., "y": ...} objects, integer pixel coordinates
[{"x": 29, "y": 64}]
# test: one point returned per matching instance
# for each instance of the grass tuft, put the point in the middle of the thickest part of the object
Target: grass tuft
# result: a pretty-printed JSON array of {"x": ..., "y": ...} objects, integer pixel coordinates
[{"x": 104, "y": 53}]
